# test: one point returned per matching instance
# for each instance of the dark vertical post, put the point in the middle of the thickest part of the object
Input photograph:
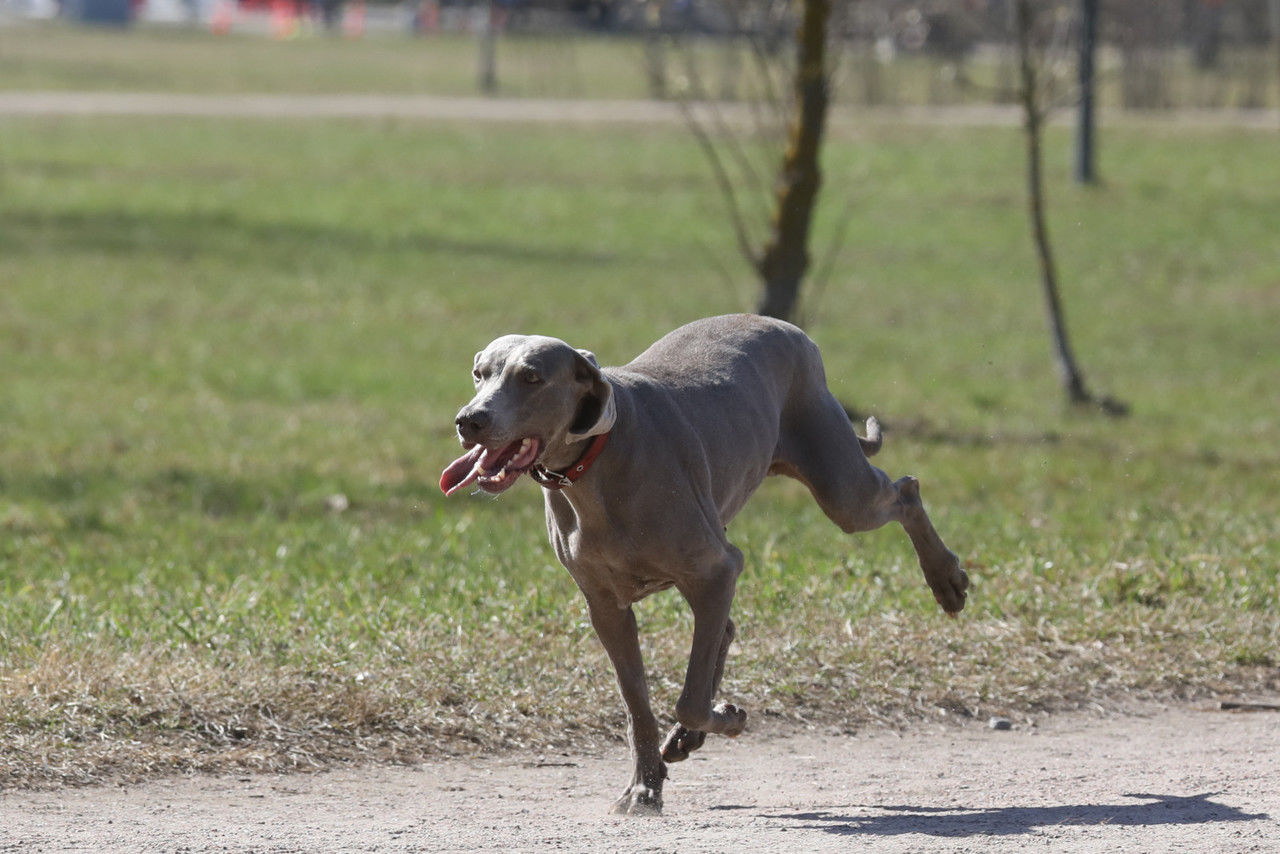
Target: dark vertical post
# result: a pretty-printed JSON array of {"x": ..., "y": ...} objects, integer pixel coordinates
[
  {"x": 1275, "y": 32},
  {"x": 1085, "y": 172},
  {"x": 486, "y": 20}
]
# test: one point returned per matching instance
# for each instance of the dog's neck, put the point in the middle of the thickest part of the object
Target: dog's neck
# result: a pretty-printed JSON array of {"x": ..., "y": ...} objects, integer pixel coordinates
[{"x": 558, "y": 478}]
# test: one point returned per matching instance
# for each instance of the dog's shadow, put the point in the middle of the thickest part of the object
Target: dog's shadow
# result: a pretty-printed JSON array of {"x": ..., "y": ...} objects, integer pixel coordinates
[{"x": 958, "y": 821}]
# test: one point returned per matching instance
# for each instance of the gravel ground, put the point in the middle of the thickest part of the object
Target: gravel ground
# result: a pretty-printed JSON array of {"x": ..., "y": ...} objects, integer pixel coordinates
[{"x": 1156, "y": 780}]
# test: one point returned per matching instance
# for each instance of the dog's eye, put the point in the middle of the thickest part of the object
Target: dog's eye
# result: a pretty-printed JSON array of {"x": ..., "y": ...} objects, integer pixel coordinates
[{"x": 531, "y": 377}]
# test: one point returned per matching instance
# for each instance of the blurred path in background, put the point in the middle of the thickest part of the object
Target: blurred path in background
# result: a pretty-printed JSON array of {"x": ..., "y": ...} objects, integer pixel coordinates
[{"x": 549, "y": 110}]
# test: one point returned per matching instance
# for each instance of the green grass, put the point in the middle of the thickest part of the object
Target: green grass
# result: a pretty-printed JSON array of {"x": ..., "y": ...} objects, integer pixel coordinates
[
  {"x": 57, "y": 57},
  {"x": 209, "y": 328},
  {"x": 573, "y": 64}
]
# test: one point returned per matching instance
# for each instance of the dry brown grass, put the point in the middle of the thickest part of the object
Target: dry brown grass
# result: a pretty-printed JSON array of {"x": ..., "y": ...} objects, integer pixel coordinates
[{"x": 90, "y": 718}]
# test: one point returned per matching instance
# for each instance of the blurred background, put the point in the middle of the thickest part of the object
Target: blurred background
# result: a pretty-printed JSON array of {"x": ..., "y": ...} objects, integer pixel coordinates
[{"x": 1169, "y": 54}]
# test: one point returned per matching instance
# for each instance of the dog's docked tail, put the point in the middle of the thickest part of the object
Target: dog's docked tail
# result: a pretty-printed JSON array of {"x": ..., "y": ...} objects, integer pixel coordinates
[{"x": 874, "y": 439}]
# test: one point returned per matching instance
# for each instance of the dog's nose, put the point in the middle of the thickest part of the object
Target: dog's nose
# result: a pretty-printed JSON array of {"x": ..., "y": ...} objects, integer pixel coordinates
[{"x": 472, "y": 424}]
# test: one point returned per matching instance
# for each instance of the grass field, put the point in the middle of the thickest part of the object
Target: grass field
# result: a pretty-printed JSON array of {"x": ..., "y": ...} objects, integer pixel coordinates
[
  {"x": 575, "y": 64},
  {"x": 212, "y": 329},
  {"x": 62, "y": 58}
]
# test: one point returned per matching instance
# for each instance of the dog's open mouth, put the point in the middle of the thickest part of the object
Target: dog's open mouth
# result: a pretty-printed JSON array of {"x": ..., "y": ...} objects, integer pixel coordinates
[{"x": 494, "y": 470}]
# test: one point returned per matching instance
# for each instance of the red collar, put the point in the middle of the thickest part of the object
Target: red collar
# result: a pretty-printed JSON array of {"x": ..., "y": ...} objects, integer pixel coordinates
[{"x": 549, "y": 479}]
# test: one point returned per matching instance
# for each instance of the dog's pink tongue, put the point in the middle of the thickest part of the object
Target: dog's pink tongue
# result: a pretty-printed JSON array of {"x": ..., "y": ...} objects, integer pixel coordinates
[{"x": 462, "y": 471}]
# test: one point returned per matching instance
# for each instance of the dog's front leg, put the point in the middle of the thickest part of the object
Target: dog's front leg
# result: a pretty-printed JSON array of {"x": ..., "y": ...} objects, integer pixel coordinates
[
  {"x": 710, "y": 595},
  {"x": 616, "y": 628}
]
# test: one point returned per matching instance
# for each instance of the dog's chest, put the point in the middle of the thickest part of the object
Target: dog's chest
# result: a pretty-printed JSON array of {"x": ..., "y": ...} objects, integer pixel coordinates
[
  {"x": 627, "y": 581},
  {"x": 628, "y": 588}
]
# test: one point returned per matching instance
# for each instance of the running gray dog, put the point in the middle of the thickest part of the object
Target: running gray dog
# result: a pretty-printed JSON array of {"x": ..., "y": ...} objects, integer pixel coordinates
[{"x": 644, "y": 465}]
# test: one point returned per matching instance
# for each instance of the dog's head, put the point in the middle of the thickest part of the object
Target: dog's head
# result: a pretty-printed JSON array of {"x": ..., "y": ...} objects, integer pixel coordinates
[{"x": 534, "y": 395}]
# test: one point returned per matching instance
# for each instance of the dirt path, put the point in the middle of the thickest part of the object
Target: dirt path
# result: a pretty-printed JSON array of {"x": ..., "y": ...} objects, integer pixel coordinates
[
  {"x": 559, "y": 111},
  {"x": 1181, "y": 779}
]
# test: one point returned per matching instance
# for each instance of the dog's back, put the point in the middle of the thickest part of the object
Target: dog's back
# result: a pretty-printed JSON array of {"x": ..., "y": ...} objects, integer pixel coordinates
[
  {"x": 714, "y": 395},
  {"x": 725, "y": 350}
]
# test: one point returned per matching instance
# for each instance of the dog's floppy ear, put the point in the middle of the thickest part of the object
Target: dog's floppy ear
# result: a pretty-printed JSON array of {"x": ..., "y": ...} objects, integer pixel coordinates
[{"x": 596, "y": 411}]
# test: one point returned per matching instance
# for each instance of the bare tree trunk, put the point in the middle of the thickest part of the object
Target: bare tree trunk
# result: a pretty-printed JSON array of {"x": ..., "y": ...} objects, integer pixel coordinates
[
  {"x": 1033, "y": 113},
  {"x": 786, "y": 256},
  {"x": 655, "y": 54}
]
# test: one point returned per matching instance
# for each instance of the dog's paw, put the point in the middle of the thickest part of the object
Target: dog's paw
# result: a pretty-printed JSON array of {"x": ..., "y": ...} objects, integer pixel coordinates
[
  {"x": 639, "y": 800},
  {"x": 949, "y": 584},
  {"x": 681, "y": 742},
  {"x": 732, "y": 719}
]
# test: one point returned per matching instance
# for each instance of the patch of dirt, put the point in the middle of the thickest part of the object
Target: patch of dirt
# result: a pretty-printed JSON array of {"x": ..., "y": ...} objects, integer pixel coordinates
[{"x": 1157, "y": 779}]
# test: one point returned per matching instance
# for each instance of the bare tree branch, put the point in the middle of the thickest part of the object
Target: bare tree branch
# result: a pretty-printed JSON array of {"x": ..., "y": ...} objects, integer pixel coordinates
[
  {"x": 721, "y": 130},
  {"x": 723, "y": 180},
  {"x": 826, "y": 267}
]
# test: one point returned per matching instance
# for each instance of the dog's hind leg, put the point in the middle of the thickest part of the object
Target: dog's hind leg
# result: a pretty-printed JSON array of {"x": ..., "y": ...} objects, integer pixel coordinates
[{"x": 819, "y": 448}]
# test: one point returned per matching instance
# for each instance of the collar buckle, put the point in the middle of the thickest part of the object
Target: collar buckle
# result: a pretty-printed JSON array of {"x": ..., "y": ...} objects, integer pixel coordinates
[{"x": 549, "y": 479}]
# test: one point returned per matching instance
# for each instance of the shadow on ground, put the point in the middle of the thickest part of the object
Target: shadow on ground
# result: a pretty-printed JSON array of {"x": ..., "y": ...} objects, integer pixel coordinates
[{"x": 1008, "y": 821}]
